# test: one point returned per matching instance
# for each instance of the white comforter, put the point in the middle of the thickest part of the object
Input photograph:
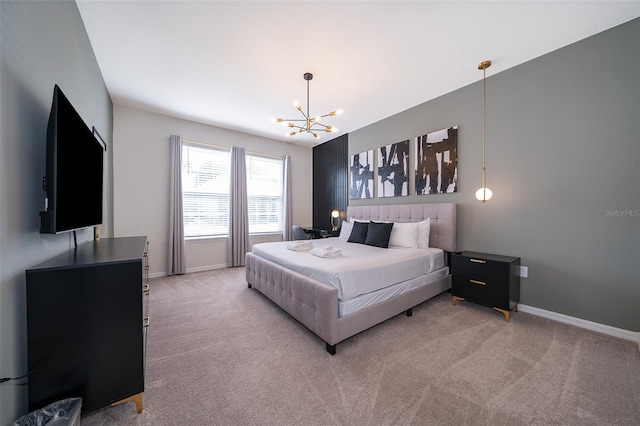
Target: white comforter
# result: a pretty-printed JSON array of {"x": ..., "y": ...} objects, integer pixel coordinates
[{"x": 359, "y": 269}]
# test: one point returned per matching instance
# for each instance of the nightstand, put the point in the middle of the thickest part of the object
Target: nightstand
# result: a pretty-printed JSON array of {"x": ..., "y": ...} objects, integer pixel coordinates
[{"x": 487, "y": 279}]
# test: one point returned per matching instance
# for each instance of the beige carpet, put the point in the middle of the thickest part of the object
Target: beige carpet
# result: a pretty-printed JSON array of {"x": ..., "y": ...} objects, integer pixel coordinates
[{"x": 222, "y": 354}]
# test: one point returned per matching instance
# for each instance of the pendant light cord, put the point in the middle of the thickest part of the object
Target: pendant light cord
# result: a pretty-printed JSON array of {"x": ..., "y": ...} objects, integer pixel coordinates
[{"x": 484, "y": 121}]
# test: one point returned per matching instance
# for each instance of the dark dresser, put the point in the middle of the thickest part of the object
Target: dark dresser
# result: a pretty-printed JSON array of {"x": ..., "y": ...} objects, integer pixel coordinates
[
  {"x": 487, "y": 279},
  {"x": 86, "y": 324}
]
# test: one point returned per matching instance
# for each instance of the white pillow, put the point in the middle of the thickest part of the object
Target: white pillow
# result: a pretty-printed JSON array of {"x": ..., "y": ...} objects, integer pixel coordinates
[
  {"x": 404, "y": 235},
  {"x": 345, "y": 230},
  {"x": 424, "y": 228},
  {"x": 353, "y": 219}
]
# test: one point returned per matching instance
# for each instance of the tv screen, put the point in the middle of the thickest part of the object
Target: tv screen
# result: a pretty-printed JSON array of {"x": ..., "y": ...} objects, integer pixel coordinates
[{"x": 74, "y": 171}]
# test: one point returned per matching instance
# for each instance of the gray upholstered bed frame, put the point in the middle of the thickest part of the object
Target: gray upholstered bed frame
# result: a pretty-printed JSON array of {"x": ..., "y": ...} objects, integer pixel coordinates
[{"x": 315, "y": 304}]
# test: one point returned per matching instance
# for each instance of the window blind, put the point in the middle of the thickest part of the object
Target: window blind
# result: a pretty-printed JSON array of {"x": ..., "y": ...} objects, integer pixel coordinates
[
  {"x": 205, "y": 191},
  {"x": 265, "y": 188}
]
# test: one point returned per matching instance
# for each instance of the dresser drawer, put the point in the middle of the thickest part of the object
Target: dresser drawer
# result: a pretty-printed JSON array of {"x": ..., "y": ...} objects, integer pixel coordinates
[
  {"x": 484, "y": 267},
  {"x": 482, "y": 292}
]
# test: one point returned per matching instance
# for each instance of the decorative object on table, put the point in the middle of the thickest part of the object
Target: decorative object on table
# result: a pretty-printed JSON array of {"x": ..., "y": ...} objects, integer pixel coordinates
[
  {"x": 361, "y": 175},
  {"x": 335, "y": 214},
  {"x": 393, "y": 170},
  {"x": 436, "y": 156},
  {"x": 484, "y": 194},
  {"x": 307, "y": 124}
]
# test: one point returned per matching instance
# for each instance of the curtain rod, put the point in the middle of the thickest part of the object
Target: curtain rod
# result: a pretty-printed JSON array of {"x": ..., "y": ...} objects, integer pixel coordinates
[{"x": 195, "y": 142}]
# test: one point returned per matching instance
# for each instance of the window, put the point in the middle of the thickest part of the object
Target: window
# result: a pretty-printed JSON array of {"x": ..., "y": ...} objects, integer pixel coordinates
[
  {"x": 265, "y": 189},
  {"x": 205, "y": 191}
]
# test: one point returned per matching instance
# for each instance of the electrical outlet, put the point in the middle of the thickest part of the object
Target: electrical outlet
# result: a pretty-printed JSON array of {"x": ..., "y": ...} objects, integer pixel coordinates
[{"x": 524, "y": 271}]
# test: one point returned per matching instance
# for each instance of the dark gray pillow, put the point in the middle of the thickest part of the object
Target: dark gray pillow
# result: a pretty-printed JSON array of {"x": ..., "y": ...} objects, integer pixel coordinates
[
  {"x": 378, "y": 234},
  {"x": 358, "y": 232}
]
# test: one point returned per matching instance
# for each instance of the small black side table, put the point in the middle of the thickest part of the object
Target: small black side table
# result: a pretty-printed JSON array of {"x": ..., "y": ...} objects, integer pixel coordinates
[{"x": 487, "y": 279}]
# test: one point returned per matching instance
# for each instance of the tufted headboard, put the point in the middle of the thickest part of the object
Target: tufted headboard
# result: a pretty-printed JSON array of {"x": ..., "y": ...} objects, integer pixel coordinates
[{"x": 443, "y": 219}]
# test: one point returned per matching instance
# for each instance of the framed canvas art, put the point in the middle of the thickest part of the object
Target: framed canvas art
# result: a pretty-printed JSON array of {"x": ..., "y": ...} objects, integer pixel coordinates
[
  {"x": 437, "y": 162},
  {"x": 361, "y": 175},
  {"x": 393, "y": 170}
]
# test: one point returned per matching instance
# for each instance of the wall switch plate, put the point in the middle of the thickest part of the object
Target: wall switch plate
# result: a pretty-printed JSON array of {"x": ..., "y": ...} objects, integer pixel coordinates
[{"x": 523, "y": 272}]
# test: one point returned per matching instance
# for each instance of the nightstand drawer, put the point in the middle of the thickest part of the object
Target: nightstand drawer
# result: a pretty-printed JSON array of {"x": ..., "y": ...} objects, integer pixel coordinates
[
  {"x": 485, "y": 267},
  {"x": 482, "y": 292},
  {"x": 481, "y": 269}
]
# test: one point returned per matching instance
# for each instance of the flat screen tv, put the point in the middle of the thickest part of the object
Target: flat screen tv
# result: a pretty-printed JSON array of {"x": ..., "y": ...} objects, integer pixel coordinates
[{"x": 74, "y": 171}]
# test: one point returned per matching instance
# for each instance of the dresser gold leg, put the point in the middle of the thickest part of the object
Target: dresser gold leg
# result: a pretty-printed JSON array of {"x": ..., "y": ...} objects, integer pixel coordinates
[
  {"x": 515, "y": 308},
  {"x": 506, "y": 313},
  {"x": 455, "y": 298},
  {"x": 135, "y": 398}
]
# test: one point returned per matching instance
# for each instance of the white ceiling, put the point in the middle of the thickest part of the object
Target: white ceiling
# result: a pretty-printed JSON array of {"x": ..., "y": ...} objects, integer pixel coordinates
[{"x": 236, "y": 64}]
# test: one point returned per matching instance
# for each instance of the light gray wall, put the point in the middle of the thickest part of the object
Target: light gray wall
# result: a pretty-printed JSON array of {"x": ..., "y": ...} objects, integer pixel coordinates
[
  {"x": 141, "y": 181},
  {"x": 41, "y": 44},
  {"x": 562, "y": 156}
]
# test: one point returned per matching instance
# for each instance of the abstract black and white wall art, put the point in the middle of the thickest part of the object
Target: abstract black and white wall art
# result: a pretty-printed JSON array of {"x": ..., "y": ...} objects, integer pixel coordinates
[
  {"x": 437, "y": 162},
  {"x": 361, "y": 175},
  {"x": 393, "y": 170}
]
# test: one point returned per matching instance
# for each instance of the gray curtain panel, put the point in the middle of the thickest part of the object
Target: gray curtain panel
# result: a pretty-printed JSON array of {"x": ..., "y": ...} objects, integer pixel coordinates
[
  {"x": 176, "y": 262},
  {"x": 287, "y": 232},
  {"x": 238, "y": 208}
]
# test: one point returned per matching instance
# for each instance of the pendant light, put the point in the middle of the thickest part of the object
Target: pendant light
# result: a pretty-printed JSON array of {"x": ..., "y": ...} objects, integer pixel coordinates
[
  {"x": 484, "y": 194},
  {"x": 307, "y": 124}
]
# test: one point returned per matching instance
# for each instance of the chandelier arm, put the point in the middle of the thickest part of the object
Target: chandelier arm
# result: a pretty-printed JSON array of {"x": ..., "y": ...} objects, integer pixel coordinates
[{"x": 306, "y": 117}]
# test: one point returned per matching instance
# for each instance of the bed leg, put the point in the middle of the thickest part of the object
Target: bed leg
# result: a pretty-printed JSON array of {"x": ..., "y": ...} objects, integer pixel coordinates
[
  {"x": 249, "y": 285},
  {"x": 409, "y": 312},
  {"x": 331, "y": 349}
]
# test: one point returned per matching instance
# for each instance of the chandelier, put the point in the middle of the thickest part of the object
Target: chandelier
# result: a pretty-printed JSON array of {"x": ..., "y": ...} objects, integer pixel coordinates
[{"x": 307, "y": 124}]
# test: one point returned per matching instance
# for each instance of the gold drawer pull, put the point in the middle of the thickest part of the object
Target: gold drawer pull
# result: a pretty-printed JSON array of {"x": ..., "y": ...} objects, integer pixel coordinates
[
  {"x": 477, "y": 282},
  {"x": 145, "y": 322},
  {"x": 477, "y": 261}
]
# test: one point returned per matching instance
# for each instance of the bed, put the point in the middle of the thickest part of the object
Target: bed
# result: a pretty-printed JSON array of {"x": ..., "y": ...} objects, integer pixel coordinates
[{"x": 334, "y": 313}]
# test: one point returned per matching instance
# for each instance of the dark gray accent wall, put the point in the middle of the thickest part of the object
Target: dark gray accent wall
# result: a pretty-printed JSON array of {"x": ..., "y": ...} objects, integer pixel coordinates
[
  {"x": 330, "y": 174},
  {"x": 41, "y": 44},
  {"x": 562, "y": 157}
]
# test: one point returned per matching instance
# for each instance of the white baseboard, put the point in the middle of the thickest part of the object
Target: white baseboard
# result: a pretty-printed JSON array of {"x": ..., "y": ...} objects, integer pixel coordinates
[
  {"x": 207, "y": 268},
  {"x": 190, "y": 270},
  {"x": 589, "y": 325}
]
